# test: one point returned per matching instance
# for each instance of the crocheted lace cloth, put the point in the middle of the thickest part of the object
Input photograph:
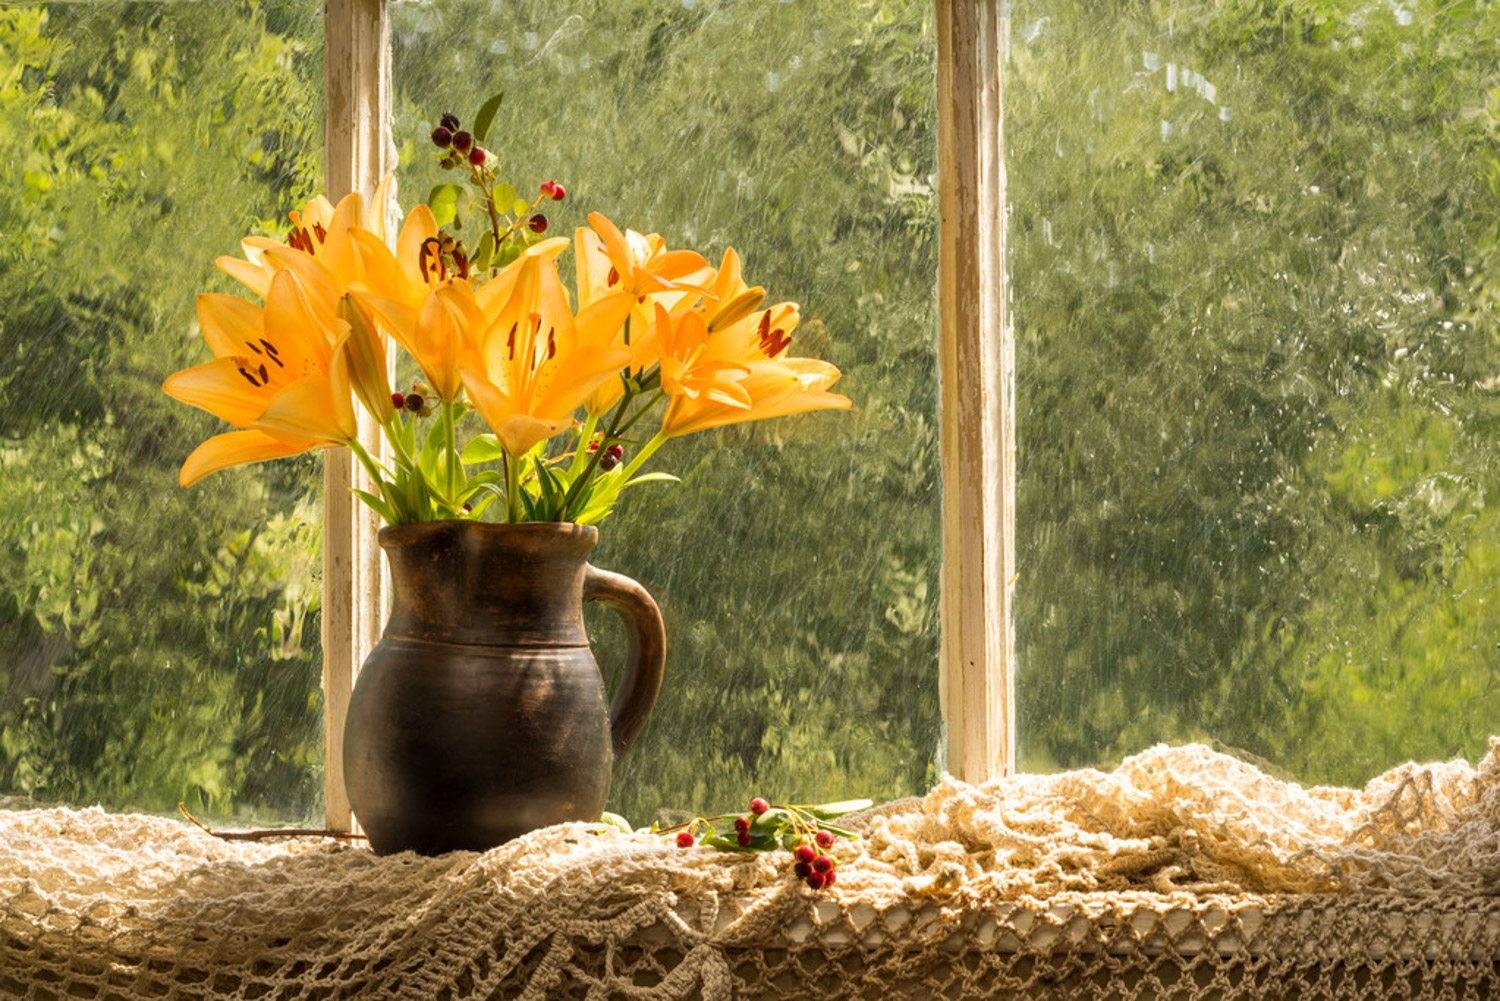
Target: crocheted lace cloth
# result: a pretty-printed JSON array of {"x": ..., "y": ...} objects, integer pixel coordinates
[{"x": 1184, "y": 873}]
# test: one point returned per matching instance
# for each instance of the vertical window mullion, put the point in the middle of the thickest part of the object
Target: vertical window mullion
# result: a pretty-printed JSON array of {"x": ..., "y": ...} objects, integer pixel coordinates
[
  {"x": 356, "y": 82},
  {"x": 977, "y": 365}
]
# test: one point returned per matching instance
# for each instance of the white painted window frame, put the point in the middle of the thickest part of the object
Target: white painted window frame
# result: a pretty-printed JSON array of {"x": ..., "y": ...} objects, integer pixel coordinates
[{"x": 976, "y": 363}]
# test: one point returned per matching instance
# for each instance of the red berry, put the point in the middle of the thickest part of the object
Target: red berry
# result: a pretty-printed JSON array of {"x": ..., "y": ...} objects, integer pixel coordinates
[
  {"x": 415, "y": 403},
  {"x": 816, "y": 880},
  {"x": 398, "y": 400},
  {"x": 442, "y": 138},
  {"x": 822, "y": 863},
  {"x": 462, "y": 141},
  {"x": 608, "y": 462},
  {"x": 684, "y": 840},
  {"x": 554, "y": 191},
  {"x": 802, "y": 869},
  {"x": 468, "y": 508},
  {"x": 759, "y": 806},
  {"x": 618, "y": 451},
  {"x": 537, "y": 223},
  {"x": 743, "y": 837},
  {"x": 477, "y": 155},
  {"x": 824, "y": 838},
  {"x": 830, "y": 876},
  {"x": 805, "y": 853},
  {"x": 449, "y": 122},
  {"x": 742, "y": 823}
]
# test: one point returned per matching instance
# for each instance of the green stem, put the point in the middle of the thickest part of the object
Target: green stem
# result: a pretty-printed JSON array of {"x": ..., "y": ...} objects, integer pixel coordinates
[
  {"x": 513, "y": 488},
  {"x": 377, "y": 475},
  {"x": 394, "y": 437},
  {"x": 450, "y": 458},
  {"x": 580, "y": 455},
  {"x": 642, "y": 412},
  {"x": 645, "y": 453},
  {"x": 614, "y": 429}
]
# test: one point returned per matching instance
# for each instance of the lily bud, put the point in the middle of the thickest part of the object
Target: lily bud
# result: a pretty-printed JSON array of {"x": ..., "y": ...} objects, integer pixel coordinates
[
  {"x": 736, "y": 309},
  {"x": 364, "y": 351}
]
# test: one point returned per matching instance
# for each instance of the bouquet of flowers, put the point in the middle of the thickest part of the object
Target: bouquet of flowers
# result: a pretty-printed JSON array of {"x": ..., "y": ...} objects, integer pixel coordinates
[{"x": 561, "y": 382}]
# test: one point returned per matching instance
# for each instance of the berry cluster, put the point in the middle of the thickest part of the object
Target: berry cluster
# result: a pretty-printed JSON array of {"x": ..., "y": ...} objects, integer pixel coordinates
[
  {"x": 611, "y": 457},
  {"x": 413, "y": 402},
  {"x": 802, "y": 830},
  {"x": 460, "y": 144},
  {"x": 461, "y": 148}
]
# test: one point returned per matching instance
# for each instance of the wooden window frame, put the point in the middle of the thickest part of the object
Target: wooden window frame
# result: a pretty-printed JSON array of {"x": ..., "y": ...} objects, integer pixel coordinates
[{"x": 976, "y": 359}]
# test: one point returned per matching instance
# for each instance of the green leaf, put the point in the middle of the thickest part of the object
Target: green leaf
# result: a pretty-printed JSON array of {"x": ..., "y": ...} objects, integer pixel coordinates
[
  {"x": 483, "y": 448},
  {"x": 480, "y": 260},
  {"x": 485, "y": 115},
  {"x": 489, "y": 477},
  {"x": 552, "y": 491},
  {"x": 418, "y": 496},
  {"x": 443, "y": 200},
  {"x": 615, "y": 820},
  {"x": 503, "y": 194},
  {"x": 651, "y": 478},
  {"x": 841, "y": 832},
  {"x": 768, "y": 823},
  {"x": 376, "y": 504},
  {"x": 723, "y": 844},
  {"x": 828, "y": 811},
  {"x": 521, "y": 207}
]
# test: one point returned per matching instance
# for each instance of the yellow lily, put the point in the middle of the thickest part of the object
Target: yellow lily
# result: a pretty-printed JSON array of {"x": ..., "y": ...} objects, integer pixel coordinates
[
  {"x": 690, "y": 365},
  {"x": 610, "y": 262},
  {"x": 284, "y": 383},
  {"x": 439, "y": 322},
  {"x": 535, "y": 361},
  {"x": 775, "y": 389},
  {"x": 730, "y": 300},
  {"x": 775, "y": 384},
  {"x": 321, "y": 247}
]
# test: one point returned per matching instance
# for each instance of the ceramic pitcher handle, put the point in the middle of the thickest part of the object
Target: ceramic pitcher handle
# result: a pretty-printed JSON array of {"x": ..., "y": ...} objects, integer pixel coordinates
[{"x": 644, "y": 658}]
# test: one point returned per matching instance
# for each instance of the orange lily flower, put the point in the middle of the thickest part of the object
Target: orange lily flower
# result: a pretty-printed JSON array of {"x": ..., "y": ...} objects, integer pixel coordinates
[
  {"x": 282, "y": 381},
  {"x": 610, "y": 262},
  {"x": 775, "y": 384},
  {"x": 775, "y": 389},
  {"x": 439, "y": 322},
  {"x": 692, "y": 367},
  {"x": 321, "y": 247},
  {"x": 535, "y": 361}
]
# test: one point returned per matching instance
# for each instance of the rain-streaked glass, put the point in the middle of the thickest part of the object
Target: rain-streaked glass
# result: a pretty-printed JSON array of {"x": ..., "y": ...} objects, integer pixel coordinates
[
  {"x": 157, "y": 644},
  {"x": 796, "y": 564},
  {"x": 1253, "y": 255}
]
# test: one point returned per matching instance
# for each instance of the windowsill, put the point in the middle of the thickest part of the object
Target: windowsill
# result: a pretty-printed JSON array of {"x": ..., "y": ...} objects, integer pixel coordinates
[{"x": 962, "y": 887}]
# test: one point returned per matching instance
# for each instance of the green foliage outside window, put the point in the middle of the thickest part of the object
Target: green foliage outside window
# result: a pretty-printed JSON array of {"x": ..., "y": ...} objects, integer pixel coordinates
[
  {"x": 156, "y": 645},
  {"x": 1254, "y": 263}
]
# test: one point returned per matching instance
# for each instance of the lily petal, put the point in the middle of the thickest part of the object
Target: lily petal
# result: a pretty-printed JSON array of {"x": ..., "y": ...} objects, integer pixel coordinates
[{"x": 235, "y": 449}]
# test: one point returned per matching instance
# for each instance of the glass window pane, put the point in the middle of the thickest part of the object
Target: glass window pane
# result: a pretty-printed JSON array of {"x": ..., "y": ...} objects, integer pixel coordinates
[
  {"x": 157, "y": 644},
  {"x": 797, "y": 562},
  {"x": 1253, "y": 254}
]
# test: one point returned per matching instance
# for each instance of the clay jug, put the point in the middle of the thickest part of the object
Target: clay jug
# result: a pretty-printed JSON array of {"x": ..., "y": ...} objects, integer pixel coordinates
[{"x": 480, "y": 715}]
